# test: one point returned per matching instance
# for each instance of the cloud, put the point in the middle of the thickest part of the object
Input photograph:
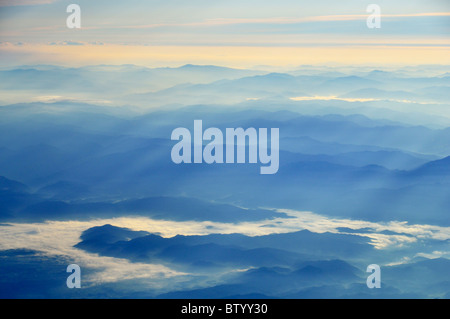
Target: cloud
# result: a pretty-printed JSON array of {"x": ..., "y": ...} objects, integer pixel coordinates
[
  {"x": 57, "y": 238},
  {"x": 280, "y": 20},
  {"x": 329, "y": 98},
  {"x": 320, "y": 224},
  {"x": 59, "y": 98},
  {"x": 11, "y": 3},
  {"x": 355, "y": 99},
  {"x": 435, "y": 254},
  {"x": 68, "y": 43},
  {"x": 41, "y": 237}
]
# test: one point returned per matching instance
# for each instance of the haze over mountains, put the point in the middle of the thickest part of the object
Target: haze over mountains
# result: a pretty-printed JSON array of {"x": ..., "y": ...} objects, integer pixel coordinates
[{"x": 366, "y": 151}]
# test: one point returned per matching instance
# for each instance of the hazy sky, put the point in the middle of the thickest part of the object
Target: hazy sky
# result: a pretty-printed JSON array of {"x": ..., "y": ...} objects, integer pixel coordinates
[{"x": 233, "y": 33}]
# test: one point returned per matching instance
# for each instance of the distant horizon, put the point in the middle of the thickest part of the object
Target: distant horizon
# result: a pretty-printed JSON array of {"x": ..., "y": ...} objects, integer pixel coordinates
[{"x": 263, "y": 68}]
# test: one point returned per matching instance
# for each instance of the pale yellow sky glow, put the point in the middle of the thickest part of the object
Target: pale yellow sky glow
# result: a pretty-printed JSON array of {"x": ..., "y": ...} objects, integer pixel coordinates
[{"x": 234, "y": 56}]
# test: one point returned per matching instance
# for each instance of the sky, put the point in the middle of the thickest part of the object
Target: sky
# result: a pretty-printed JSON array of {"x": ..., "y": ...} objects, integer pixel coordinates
[{"x": 229, "y": 33}]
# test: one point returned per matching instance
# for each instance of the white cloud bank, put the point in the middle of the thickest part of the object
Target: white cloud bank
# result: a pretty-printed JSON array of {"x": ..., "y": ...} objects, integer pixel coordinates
[{"x": 58, "y": 238}]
